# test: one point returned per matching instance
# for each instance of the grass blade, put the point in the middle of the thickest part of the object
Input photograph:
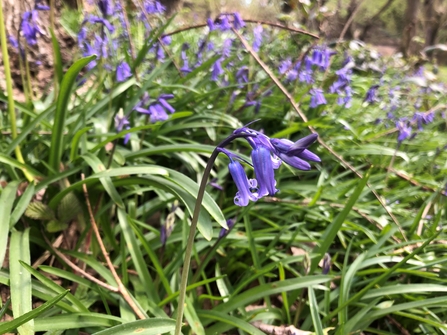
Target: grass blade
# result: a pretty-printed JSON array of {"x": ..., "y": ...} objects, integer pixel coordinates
[
  {"x": 152, "y": 326},
  {"x": 17, "y": 322},
  {"x": 57, "y": 137},
  {"x": 6, "y": 202},
  {"x": 20, "y": 280}
]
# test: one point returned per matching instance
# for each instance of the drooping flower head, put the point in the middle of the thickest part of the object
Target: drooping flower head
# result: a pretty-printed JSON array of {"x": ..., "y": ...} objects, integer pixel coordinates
[
  {"x": 267, "y": 155},
  {"x": 123, "y": 72},
  {"x": 121, "y": 122},
  {"x": 317, "y": 97}
]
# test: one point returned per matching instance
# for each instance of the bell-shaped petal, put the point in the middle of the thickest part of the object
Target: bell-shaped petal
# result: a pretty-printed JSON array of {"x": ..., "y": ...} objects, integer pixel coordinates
[
  {"x": 246, "y": 188},
  {"x": 263, "y": 166},
  {"x": 296, "y": 162}
]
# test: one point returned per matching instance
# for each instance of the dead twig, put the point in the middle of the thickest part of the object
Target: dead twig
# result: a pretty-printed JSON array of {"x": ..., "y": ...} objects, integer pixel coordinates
[{"x": 121, "y": 287}]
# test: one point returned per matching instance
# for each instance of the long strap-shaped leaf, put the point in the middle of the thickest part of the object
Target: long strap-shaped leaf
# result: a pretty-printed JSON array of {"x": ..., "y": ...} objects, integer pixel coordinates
[{"x": 57, "y": 140}]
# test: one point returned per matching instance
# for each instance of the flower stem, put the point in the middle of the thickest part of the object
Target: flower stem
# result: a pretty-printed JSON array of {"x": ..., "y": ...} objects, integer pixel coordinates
[
  {"x": 11, "y": 106},
  {"x": 193, "y": 228}
]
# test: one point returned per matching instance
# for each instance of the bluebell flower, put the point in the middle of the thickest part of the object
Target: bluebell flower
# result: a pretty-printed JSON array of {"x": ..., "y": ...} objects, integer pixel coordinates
[
  {"x": 267, "y": 155},
  {"x": 123, "y": 72},
  {"x": 296, "y": 154},
  {"x": 217, "y": 70},
  {"x": 121, "y": 122},
  {"x": 238, "y": 23},
  {"x": 404, "y": 128},
  {"x": 264, "y": 170},
  {"x": 257, "y": 37},
  {"x": 247, "y": 188},
  {"x": 185, "y": 68},
  {"x": 242, "y": 76},
  {"x": 95, "y": 19},
  {"x": 158, "y": 109},
  {"x": 214, "y": 183},
  {"x": 153, "y": 7},
  {"x": 106, "y": 7},
  {"x": 210, "y": 24},
  {"x": 321, "y": 57},
  {"x": 317, "y": 98},
  {"x": 101, "y": 46},
  {"x": 30, "y": 27},
  {"x": 230, "y": 224},
  {"x": 371, "y": 94},
  {"x": 223, "y": 23}
]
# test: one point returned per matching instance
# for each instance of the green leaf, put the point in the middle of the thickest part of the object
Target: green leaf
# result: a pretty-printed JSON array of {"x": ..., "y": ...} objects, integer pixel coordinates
[
  {"x": 39, "y": 211},
  {"x": 314, "y": 312},
  {"x": 55, "y": 287},
  {"x": 55, "y": 226},
  {"x": 68, "y": 208},
  {"x": 21, "y": 206},
  {"x": 57, "y": 58},
  {"x": 331, "y": 231},
  {"x": 235, "y": 322},
  {"x": 20, "y": 280},
  {"x": 75, "y": 142},
  {"x": 57, "y": 136},
  {"x": 152, "y": 326},
  {"x": 75, "y": 321},
  {"x": 6, "y": 327},
  {"x": 261, "y": 291},
  {"x": 6, "y": 202}
]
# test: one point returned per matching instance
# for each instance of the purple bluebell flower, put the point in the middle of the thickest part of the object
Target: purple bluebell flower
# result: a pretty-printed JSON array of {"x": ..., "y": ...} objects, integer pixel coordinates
[
  {"x": 38, "y": 6},
  {"x": 210, "y": 24},
  {"x": 317, "y": 98},
  {"x": 257, "y": 37},
  {"x": 217, "y": 70},
  {"x": 158, "y": 109},
  {"x": 247, "y": 188},
  {"x": 326, "y": 264},
  {"x": 185, "y": 68},
  {"x": 296, "y": 154},
  {"x": 230, "y": 224},
  {"x": 30, "y": 27},
  {"x": 242, "y": 76},
  {"x": 223, "y": 23},
  {"x": 267, "y": 155},
  {"x": 214, "y": 183},
  {"x": 321, "y": 57},
  {"x": 121, "y": 122},
  {"x": 226, "y": 47},
  {"x": 123, "y": 72},
  {"x": 264, "y": 171},
  {"x": 106, "y": 7},
  {"x": 95, "y": 19},
  {"x": 153, "y": 7},
  {"x": 404, "y": 128},
  {"x": 238, "y": 23},
  {"x": 371, "y": 95}
]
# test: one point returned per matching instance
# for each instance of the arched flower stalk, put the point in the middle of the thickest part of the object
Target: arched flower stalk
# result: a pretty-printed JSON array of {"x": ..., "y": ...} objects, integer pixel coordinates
[{"x": 267, "y": 155}]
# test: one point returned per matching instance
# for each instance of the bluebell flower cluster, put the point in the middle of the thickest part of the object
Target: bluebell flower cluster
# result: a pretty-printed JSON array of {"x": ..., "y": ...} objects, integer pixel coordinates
[
  {"x": 266, "y": 156},
  {"x": 29, "y": 25},
  {"x": 158, "y": 109}
]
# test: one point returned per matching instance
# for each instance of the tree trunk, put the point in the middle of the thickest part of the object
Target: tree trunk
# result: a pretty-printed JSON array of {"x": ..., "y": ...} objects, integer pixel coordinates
[
  {"x": 410, "y": 26},
  {"x": 433, "y": 13},
  {"x": 172, "y": 6},
  {"x": 40, "y": 56},
  {"x": 371, "y": 22},
  {"x": 353, "y": 4}
]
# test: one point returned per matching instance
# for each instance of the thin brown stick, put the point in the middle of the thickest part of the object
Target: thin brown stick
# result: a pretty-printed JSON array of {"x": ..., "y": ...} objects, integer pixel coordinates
[
  {"x": 312, "y": 129},
  {"x": 272, "y": 24},
  {"x": 121, "y": 287},
  {"x": 78, "y": 269},
  {"x": 348, "y": 23}
]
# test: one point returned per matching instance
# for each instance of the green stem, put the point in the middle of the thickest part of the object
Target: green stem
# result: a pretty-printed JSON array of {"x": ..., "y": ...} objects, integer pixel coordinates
[
  {"x": 11, "y": 106},
  {"x": 193, "y": 228}
]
